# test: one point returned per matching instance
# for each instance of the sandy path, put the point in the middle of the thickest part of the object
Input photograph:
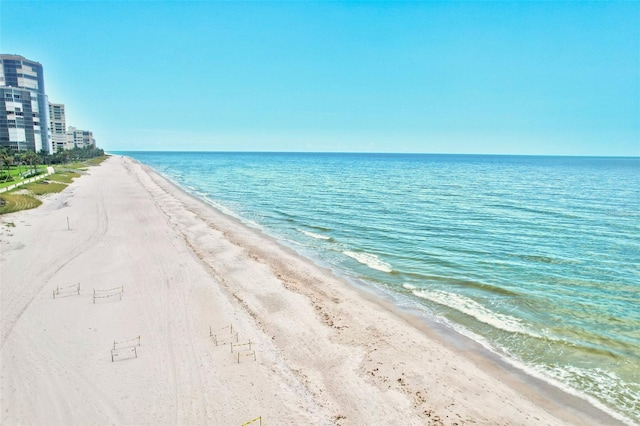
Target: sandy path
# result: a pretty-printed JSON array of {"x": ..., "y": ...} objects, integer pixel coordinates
[{"x": 325, "y": 354}]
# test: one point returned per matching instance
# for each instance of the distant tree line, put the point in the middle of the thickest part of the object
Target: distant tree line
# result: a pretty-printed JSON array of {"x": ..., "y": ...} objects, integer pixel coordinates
[
  {"x": 29, "y": 160},
  {"x": 71, "y": 155}
]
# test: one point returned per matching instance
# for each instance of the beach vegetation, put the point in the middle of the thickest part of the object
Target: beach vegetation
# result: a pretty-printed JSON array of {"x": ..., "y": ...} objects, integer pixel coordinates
[
  {"x": 96, "y": 160},
  {"x": 10, "y": 203},
  {"x": 73, "y": 166},
  {"x": 15, "y": 175},
  {"x": 26, "y": 198},
  {"x": 64, "y": 176},
  {"x": 44, "y": 187},
  {"x": 74, "y": 155},
  {"x": 17, "y": 167}
]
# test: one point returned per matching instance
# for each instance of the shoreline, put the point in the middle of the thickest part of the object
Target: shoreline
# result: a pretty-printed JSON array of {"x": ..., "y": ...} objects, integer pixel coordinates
[
  {"x": 327, "y": 352},
  {"x": 506, "y": 369},
  {"x": 545, "y": 390}
]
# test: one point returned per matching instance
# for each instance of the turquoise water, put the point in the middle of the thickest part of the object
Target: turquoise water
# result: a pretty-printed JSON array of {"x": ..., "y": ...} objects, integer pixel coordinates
[{"x": 538, "y": 258}]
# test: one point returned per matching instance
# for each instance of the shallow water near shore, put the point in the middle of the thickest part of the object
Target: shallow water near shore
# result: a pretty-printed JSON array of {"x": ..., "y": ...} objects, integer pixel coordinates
[{"x": 536, "y": 257}]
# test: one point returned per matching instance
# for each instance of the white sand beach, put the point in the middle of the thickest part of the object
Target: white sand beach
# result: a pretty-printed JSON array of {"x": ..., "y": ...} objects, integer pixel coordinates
[{"x": 325, "y": 353}]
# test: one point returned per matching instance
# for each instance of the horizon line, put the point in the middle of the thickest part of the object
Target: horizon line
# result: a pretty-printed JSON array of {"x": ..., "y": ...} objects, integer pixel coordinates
[{"x": 375, "y": 153}]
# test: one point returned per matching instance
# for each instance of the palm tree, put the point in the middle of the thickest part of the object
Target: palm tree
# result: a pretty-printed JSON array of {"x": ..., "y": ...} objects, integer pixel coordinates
[
  {"x": 44, "y": 156},
  {"x": 31, "y": 158},
  {"x": 6, "y": 159}
]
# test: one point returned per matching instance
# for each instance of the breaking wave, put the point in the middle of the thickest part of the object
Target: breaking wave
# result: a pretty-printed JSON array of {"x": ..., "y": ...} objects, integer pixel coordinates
[{"x": 371, "y": 260}]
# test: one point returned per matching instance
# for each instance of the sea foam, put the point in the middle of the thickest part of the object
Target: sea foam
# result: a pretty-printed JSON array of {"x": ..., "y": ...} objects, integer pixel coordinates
[
  {"x": 371, "y": 260},
  {"x": 475, "y": 310},
  {"x": 312, "y": 235}
]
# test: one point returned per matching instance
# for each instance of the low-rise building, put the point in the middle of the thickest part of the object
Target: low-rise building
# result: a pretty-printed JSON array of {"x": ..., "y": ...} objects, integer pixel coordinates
[{"x": 80, "y": 138}]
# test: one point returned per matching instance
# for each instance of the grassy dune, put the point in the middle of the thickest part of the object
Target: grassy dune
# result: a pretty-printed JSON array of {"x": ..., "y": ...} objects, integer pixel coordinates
[
  {"x": 44, "y": 187},
  {"x": 57, "y": 182},
  {"x": 16, "y": 202},
  {"x": 64, "y": 176}
]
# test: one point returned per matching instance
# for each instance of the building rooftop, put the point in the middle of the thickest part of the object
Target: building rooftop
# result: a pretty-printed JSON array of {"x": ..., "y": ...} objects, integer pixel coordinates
[{"x": 17, "y": 58}]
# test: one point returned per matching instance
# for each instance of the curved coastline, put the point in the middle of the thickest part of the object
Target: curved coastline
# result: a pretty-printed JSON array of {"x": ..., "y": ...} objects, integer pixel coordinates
[
  {"x": 566, "y": 403},
  {"x": 328, "y": 351}
]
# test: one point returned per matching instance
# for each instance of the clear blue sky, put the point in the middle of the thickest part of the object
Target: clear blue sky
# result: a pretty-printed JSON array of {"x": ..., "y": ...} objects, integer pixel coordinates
[{"x": 443, "y": 77}]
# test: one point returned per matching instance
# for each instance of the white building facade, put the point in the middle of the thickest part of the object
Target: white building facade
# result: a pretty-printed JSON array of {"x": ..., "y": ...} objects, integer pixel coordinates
[
  {"x": 58, "y": 120},
  {"x": 77, "y": 138}
]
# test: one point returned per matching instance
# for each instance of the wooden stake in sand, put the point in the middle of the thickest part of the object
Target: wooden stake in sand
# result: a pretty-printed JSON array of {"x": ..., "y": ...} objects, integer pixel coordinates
[
  {"x": 257, "y": 419},
  {"x": 123, "y": 351},
  {"x": 235, "y": 345},
  {"x": 252, "y": 353},
  {"x": 106, "y": 293},
  {"x": 73, "y": 288}
]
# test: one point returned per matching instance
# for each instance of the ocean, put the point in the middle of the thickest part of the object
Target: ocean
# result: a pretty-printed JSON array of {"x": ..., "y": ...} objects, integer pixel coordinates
[{"x": 536, "y": 258}]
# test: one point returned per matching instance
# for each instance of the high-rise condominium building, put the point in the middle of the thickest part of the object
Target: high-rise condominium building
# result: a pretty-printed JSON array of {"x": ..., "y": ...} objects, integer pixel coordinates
[
  {"x": 57, "y": 118},
  {"x": 24, "y": 109},
  {"x": 80, "y": 138}
]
